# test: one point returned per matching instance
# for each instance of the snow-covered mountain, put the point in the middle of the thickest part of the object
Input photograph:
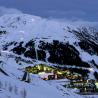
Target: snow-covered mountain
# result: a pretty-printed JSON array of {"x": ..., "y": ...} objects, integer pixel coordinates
[{"x": 37, "y": 40}]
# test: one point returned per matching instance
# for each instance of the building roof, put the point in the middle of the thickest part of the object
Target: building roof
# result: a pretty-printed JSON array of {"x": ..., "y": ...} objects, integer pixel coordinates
[{"x": 45, "y": 75}]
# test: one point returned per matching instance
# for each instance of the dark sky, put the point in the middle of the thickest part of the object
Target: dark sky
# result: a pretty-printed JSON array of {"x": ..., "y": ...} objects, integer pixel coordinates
[{"x": 68, "y": 9}]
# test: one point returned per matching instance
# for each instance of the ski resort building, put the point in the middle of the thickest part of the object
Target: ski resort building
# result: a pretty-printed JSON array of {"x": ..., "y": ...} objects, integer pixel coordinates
[
  {"x": 50, "y": 73},
  {"x": 88, "y": 85}
]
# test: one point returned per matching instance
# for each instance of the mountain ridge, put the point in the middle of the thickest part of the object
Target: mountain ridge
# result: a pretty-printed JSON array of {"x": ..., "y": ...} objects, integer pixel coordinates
[{"x": 28, "y": 40}]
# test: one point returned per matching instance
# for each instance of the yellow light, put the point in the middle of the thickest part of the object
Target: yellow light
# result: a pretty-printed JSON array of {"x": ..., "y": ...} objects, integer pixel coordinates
[
  {"x": 38, "y": 67},
  {"x": 96, "y": 84},
  {"x": 59, "y": 72},
  {"x": 41, "y": 73},
  {"x": 45, "y": 68}
]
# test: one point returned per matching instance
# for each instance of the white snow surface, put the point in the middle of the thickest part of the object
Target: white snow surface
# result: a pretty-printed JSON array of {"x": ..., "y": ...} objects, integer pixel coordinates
[
  {"x": 12, "y": 87},
  {"x": 23, "y": 27}
]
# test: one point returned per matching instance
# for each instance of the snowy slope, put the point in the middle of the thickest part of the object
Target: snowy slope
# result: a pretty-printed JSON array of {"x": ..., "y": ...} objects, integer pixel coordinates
[
  {"x": 11, "y": 86},
  {"x": 23, "y": 28},
  {"x": 37, "y": 89}
]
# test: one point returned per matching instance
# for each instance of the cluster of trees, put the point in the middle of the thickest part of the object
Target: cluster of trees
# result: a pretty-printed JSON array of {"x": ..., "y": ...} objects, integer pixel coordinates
[
  {"x": 13, "y": 89},
  {"x": 96, "y": 75},
  {"x": 88, "y": 37},
  {"x": 60, "y": 52},
  {"x": 2, "y": 32}
]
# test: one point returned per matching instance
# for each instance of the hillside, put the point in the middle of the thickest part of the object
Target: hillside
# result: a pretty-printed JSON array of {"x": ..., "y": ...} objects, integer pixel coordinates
[{"x": 34, "y": 40}]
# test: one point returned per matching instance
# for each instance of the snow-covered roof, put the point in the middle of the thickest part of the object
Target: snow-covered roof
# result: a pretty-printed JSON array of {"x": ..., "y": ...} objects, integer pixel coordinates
[{"x": 45, "y": 75}]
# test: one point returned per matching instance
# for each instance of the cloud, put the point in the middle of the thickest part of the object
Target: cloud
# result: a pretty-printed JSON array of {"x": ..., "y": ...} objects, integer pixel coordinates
[
  {"x": 68, "y": 20},
  {"x": 70, "y": 9},
  {"x": 5, "y": 10},
  {"x": 68, "y": 15}
]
